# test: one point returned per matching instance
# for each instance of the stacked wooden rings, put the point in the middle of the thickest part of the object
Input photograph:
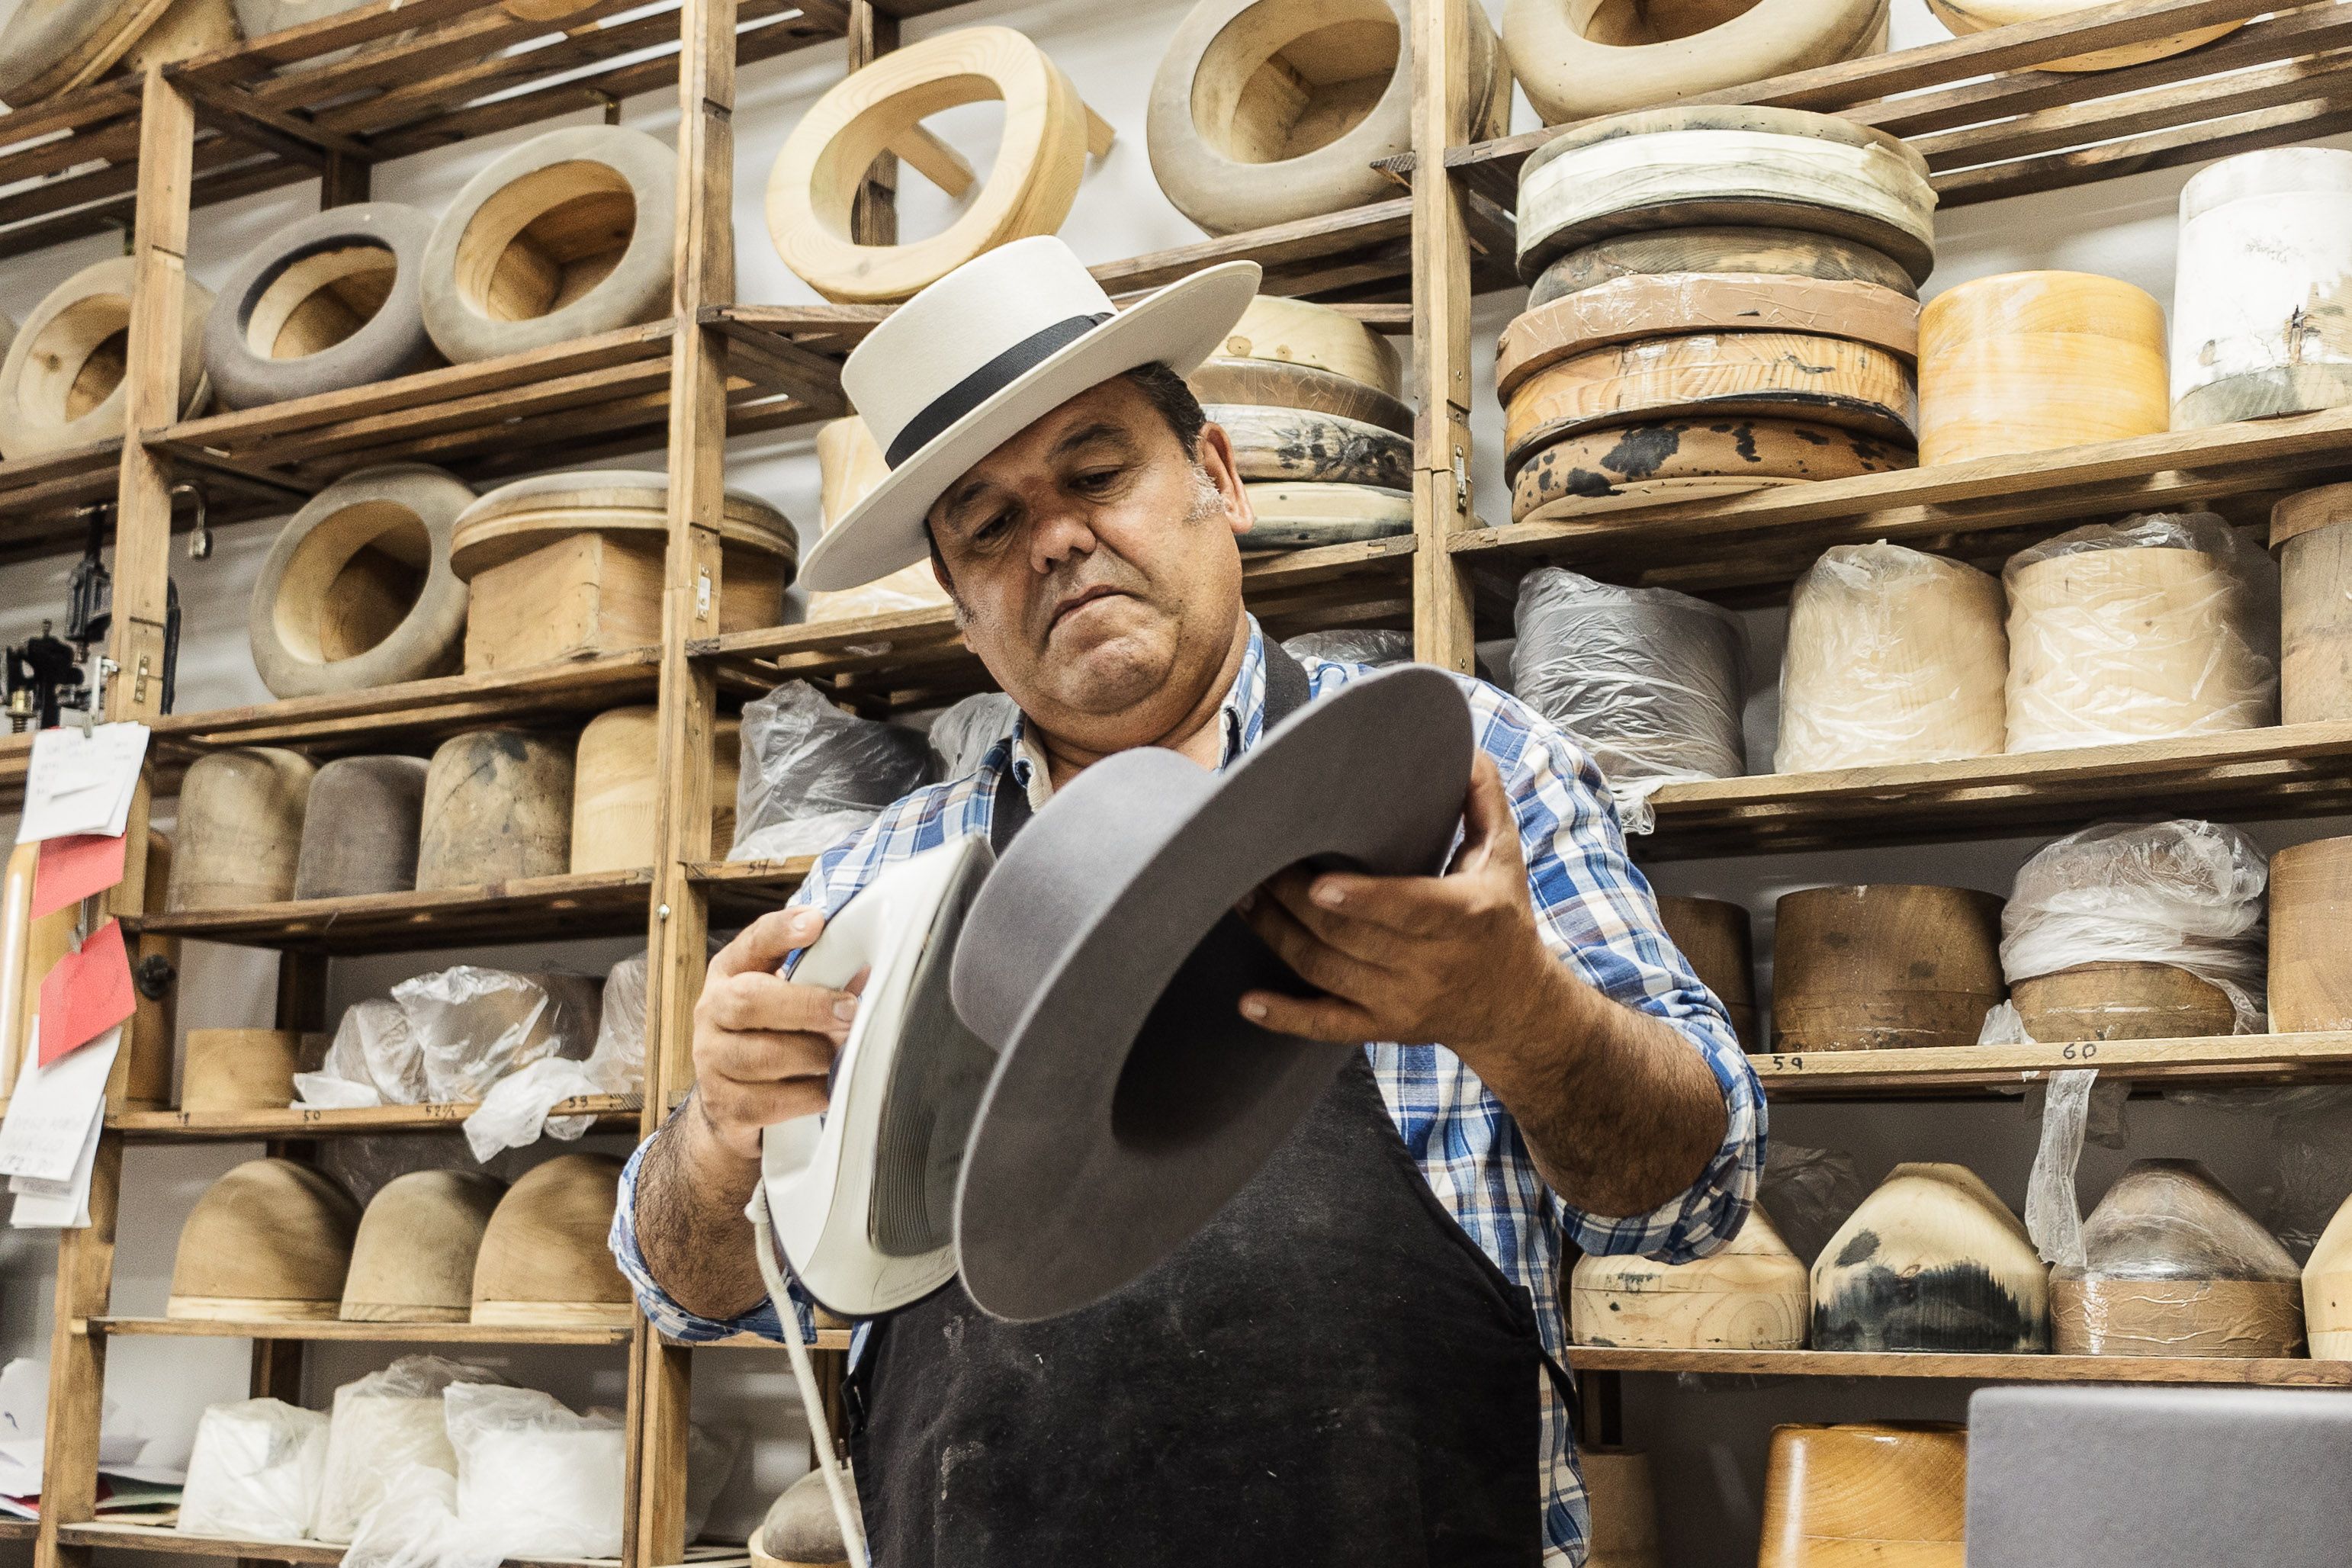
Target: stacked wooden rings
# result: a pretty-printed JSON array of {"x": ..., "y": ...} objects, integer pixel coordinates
[{"x": 1725, "y": 299}]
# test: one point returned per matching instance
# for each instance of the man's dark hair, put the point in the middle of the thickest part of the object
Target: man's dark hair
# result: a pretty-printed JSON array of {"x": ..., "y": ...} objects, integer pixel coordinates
[{"x": 1168, "y": 393}]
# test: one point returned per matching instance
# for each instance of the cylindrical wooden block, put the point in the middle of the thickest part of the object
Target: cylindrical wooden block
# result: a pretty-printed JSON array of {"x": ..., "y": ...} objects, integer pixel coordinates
[
  {"x": 2315, "y": 559},
  {"x": 1932, "y": 1260},
  {"x": 413, "y": 1259},
  {"x": 1881, "y": 1494},
  {"x": 2107, "y": 646},
  {"x": 361, "y": 832},
  {"x": 1713, "y": 935},
  {"x": 1625, "y": 1505},
  {"x": 243, "y": 1069},
  {"x": 849, "y": 465},
  {"x": 239, "y": 836},
  {"x": 543, "y": 1260},
  {"x": 2310, "y": 936},
  {"x": 2327, "y": 1290},
  {"x": 1297, "y": 331},
  {"x": 614, "y": 784},
  {"x": 270, "y": 1241},
  {"x": 1687, "y": 459},
  {"x": 1884, "y": 967},
  {"x": 1893, "y": 656},
  {"x": 2173, "y": 1267},
  {"x": 497, "y": 808},
  {"x": 2262, "y": 300},
  {"x": 2122, "y": 1001},
  {"x": 2031, "y": 362},
  {"x": 1751, "y": 1295}
]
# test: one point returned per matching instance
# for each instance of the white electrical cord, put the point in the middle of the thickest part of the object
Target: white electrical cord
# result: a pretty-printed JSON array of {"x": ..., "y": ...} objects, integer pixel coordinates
[{"x": 845, "y": 1506}]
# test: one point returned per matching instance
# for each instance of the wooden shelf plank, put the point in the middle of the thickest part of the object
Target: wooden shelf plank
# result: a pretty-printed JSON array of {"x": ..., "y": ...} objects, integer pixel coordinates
[
  {"x": 2294, "y": 1372},
  {"x": 296, "y": 1122},
  {"x": 1953, "y": 1070},
  {"x": 164, "y": 1538},
  {"x": 742, "y": 891},
  {"x": 827, "y": 1340},
  {"x": 534, "y": 908},
  {"x": 365, "y": 1334}
]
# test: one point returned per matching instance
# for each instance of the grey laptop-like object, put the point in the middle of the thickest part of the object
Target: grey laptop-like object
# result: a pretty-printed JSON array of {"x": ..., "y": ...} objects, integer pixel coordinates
[{"x": 2159, "y": 1478}]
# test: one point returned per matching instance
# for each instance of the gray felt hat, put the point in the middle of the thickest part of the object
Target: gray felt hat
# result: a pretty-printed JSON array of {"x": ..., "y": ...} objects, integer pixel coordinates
[{"x": 1102, "y": 958}]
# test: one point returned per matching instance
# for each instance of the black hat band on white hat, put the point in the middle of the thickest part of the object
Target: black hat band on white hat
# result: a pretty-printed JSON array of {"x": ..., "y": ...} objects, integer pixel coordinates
[{"x": 986, "y": 382}]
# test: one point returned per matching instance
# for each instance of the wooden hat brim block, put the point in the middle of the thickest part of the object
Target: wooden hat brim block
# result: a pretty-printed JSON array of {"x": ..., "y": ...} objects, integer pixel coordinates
[
  {"x": 1283, "y": 331},
  {"x": 1875, "y": 1495},
  {"x": 1884, "y": 966},
  {"x": 2117, "y": 1001},
  {"x": 1754, "y": 1294},
  {"x": 1644, "y": 463}
]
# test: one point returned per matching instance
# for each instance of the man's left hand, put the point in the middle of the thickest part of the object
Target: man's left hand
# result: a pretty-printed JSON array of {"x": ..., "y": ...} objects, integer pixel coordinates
[{"x": 1456, "y": 959}]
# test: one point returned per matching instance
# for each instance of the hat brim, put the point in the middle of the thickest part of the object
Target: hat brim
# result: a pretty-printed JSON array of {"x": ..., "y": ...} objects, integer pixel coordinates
[
  {"x": 1180, "y": 326},
  {"x": 1132, "y": 1099}
]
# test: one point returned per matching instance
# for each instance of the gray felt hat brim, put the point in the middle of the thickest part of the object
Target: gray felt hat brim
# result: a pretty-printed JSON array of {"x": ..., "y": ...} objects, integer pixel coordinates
[{"x": 1108, "y": 924}]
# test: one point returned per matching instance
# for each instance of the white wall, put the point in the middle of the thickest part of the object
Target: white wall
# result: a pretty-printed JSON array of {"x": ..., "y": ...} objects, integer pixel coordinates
[{"x": 1708, "y": 1441}]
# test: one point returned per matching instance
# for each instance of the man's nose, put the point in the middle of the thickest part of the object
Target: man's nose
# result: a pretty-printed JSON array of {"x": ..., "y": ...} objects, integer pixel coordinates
[{"x": 1057, "y": 533}]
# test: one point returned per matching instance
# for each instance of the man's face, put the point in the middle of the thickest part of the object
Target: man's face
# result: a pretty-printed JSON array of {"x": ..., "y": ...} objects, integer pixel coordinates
[{"x": 1093, "y": 565}]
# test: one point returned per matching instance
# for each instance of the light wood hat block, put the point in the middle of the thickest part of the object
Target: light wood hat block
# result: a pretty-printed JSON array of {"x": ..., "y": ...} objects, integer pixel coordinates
[
  {"x": 359, "y": 833},
  {"x": 2032, "y": 362},
  {"x": 1884, "y": 966},
  {"x": 245, "y": 1069},
  {"x": 2327, "y": 1290},
  {"x": 2314, "y": 560},
  {"x": 1932, "y": 1260},
  {"x": 269, "y": 1242},
  {"x": 2122, "y": 1001},
  {"x": 412, "y": 1261},
  {"x": 1714, "y": 937},
  {"x": 849, "y": 465},
  {"x": 543, "y": 1260},
  {"x": 2310, "y": 934},
  {"x": 1283, "y": 330},
  {"x": 2175, "y": 1267},
  {"x": 239, "y": 836},
  {"x": 1871, "y": 1495},
  {"x": 2261, "y": 303},
  {"x": 615, "y": 784},
  {"x": 1751, "y": 1295},
  {"x": 497, "y": 808},
  {"x": 1625, "y": 1504}
]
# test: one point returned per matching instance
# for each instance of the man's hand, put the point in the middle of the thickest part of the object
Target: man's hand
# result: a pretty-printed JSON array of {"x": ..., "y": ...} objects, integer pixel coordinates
[{"x": 762, "y": 1044}]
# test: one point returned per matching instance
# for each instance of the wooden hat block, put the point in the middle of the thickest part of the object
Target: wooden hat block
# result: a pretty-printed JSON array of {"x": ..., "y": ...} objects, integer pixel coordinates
[
  {"x": 269, "y": 1242},
  {"x": 2122, "y": 1001},
  {"x": 1881, "y": 1494},
  {"x": 245, "y": 1069},
  {"x": 360, "y": 834},
  {"x": 1751, "y": 1295},
  {"x": 1933, "y": 1260},
  {"x": 2310, "y": 934},
  {"x": 849, "y": 465},
  {"x": 2031, "y": 362},
  {"x": 1625, "y": 1532},
  {"x": 2175, "y": 1267},
  {"x": 497, "y": 808},
  {"x": 239, "y": 835},
  {"x": 2314, "y": 557},
  {"x": 1884, "y": 967},
  {"x": 799, "y": 1531},
  {"x": 1713, "y": 935},
  {"x": 2327, "y": 1290},
  {"x": 613, "y": 784},
  {"x": 543, "y": 1262},
  {"x": 413, "y": 1259}
]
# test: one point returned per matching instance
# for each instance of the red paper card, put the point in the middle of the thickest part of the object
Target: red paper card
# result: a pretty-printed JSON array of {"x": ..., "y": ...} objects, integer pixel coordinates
[
  {"x": 87, "y": 993},
  {"x": 73, "y": 868}
]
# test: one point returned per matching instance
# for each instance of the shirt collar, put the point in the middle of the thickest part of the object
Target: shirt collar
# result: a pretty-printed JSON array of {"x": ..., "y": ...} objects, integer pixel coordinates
[{"x": 1240, "y": 716}]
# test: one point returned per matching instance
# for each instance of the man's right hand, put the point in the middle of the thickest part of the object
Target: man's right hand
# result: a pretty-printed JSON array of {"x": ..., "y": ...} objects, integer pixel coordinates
[{"x": 762, "y": 1044}]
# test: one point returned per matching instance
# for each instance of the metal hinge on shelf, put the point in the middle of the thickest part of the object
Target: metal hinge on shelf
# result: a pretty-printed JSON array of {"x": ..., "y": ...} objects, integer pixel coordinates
[{"x": 1461, "y": 480}]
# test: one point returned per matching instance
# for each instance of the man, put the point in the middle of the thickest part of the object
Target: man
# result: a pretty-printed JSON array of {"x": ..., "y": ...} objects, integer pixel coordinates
[{"x": 1356, "y": 1362}]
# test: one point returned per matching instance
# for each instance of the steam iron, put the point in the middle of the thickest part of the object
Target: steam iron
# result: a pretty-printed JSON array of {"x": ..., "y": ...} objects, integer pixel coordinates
[{"x": 862, "y": 1197}]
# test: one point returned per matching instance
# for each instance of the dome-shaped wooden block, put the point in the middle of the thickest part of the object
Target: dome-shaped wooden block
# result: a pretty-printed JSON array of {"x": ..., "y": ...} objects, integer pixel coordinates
[
  {"x": 543, "y": 1261},
  {"x": 269, "y": 1242},
  {"x": 497, "y": 808},
  {"x": 243, "y": 1069},
  {"x": 1624, "y": 1506},
  {"x": 413, "y": 1259},
  {"x": 1872, "y": 1495},
  {"x": 360, "y": 835},
  {"x": 2173, "y": 1267},
  {"x": 2311, "y": 933},
  {"x": 800, "y": 1530},
  {"x": 1752, "y": 1295},
  {"x": 615, "y": 782},
  {"x": 2327, "y": 1290},
  {"x": 2314, "y": 556},
  {"x": 1883, "y": 967},
  {"x": 2122, "y": 1001},
  {"x": 1714, "y": 936},
  {"x": 239, "y": 836},
  {"x": 2031, "y": 362},
  {"x": 1933, "y": 1260}
]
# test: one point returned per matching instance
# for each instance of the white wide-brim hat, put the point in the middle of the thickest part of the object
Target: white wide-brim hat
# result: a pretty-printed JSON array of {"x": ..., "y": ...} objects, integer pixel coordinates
[{"x": 980, "y": 356}]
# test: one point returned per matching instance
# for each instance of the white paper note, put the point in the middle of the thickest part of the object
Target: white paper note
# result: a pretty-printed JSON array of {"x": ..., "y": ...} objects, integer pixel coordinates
[
  {"x": 81, "y": 784},
  {"x": 58, "y": 1205},
  {"x": 51, "y": 1115}
]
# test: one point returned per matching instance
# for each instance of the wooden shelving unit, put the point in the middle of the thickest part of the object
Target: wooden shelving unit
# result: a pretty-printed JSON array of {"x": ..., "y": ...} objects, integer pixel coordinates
[
  {"x": 2289, "y": 1372},
  {"x": 323, "y": 1329},
  {"x": 612, "y": 1111},
  {"x": 536, "y": 908}
]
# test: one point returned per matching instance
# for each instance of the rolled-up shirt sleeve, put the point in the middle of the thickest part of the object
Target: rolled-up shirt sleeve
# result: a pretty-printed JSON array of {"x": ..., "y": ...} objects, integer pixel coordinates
[{"x": 664, "y": 1313}]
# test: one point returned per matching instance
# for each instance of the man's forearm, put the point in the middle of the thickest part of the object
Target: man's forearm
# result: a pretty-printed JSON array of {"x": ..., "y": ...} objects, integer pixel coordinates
[
  {"x": 1619, "y": 1112},
  {"x": 690, "y": 1226}
]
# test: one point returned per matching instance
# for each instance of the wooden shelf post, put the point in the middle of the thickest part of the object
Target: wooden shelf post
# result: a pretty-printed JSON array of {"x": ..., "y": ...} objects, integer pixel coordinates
[{"x": 1444, "y": 627}]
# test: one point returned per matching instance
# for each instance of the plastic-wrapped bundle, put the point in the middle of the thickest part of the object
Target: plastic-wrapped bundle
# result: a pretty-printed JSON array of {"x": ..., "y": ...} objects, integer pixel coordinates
[
  {"x": 374, "y": 1061},
  {"x": 1374, "y": 647},
  {"x": 1650, "y": 681},
  {"x": 1893, "y": 656},
  {"x": 2173, "y": 1267},
  {"x": 2162, "y": 624},
  {"x": 813, "y": 775},
  {"x": 2137, "y": 900},
  {"x": 475, "y": 1026},
  {"x": 254, "y": 1471},
  {"x": 961, "y": 736},
  {"x": 533, "y": 1476},
  {"x": 514, "y": 1113},
  {"x": 383, "y": 1422}
]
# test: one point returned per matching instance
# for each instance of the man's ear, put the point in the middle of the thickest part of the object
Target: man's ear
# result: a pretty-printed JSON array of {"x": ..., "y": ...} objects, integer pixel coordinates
[{"x": 1217, "y": 460}]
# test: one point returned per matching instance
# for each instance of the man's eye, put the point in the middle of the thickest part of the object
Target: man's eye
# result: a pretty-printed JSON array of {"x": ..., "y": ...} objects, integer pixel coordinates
[
  {"x": 1095, "y": 481},
  {"x": 992, "y": 529}
]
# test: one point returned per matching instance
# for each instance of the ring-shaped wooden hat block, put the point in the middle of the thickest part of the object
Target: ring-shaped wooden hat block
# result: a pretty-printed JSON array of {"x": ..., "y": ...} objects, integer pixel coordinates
[
  {"x": 559, "y": 565},
  {"x": 1680, "y": 459},
  {"x": 49, "y": 46},
  {"x": 269, "y": 1242},
  {"x": 1931, "y": 1260},
  {"x": 1966, "y": 17},
  {"x": 2173, "y": 1267},
  {"x": 1878, "y": 1494},
  {"x": 1750, "y": 1295},
  {"x": 1577, "y": 58},
  {"x": 1884, "y": 966},
  {"x": 1104, "y": 961},
  {"x": 1705, "y": 166},
  {"x": 1772, "y": 252},
  {"x": 1041, "y": 155},
  {"x": 327, "y": 303},
  {"x": 61, "y": 384},
  {"x": 1264, "y": 112},
  {"x": 412, "y": 1261},
  {"x": 543, "y": 1262}
]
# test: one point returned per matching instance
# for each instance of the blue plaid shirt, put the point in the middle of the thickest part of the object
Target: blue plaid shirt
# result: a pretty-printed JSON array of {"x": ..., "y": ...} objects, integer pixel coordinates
[{"x": 1597, "y": 913}]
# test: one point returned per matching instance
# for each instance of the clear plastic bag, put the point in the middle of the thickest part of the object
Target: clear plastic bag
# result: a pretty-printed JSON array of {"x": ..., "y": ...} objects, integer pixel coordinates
[
  {"x": 1807, "y": 1193},
  {"x": 255, "y": 1471},
  {"x": 475, "y": 1026},
  {"x": 514, "y": 1113},
  {"x": 2184, "y": 892},
  {"x": 2307, "y": 1132},
  {"x": 533, "y": 1477},
  {"x": 813, "y": 775},
  {"x": 961, "y": 736},
  {"x": 1374, "y": 648},
  {"x": 1650, "y": 681},
  {"x": 415, "y": 1526},
  {"x": 375, "y": 1060},
  {"x": 2164, "y": 624},
  {"x": 383, "y": 1422}
]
